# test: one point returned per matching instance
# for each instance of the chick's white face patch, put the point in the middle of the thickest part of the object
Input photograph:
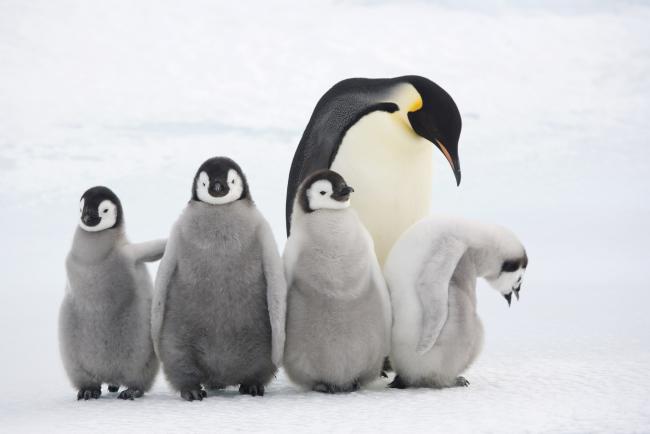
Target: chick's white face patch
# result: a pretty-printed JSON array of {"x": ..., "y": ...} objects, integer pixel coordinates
[
  {"x": 319, "y": 196},
  {"x": 235, "y": 185},
  {"x": 107, "y": 213}
]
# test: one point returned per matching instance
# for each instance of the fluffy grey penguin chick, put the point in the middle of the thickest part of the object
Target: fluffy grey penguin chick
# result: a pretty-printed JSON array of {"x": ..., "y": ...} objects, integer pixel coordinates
[
  {"x": 338, "y": 308},
  {"x": 431, "y": 274},
  {"x": 219, "y": 305},
  {"x": 105, "y": 317}
]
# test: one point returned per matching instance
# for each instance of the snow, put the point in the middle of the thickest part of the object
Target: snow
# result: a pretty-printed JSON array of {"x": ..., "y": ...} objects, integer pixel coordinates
[{"x": 555, "y": 102}]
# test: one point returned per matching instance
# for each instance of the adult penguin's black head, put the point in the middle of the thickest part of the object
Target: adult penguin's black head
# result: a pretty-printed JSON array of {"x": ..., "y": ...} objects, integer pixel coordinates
[
  {"x": 437, "y": 119},
  {"x": 324, "y": 189},
  {"x": 99, "y": 209},
  {"x": 218, "y": 181}
]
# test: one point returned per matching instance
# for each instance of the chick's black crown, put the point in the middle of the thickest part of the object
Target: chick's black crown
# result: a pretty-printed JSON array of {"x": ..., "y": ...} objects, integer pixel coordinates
[
  {"x": 340, "y": 189},
  {"x": 93, "y": 197},
  {"x": 217, "y": 170}
]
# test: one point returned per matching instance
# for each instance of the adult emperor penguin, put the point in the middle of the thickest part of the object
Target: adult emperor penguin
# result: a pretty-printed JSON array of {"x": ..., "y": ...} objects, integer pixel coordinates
[
  {"x": 219, "y": 305},
  {"x": 338, "y": 308},
  {"x": 379, "y": 135},
  {"x": 431, "y": 273},
  {"x": 105, "y": 317}
]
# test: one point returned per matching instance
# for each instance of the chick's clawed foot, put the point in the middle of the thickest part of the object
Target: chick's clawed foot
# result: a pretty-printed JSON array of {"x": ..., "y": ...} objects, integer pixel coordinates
[
  {"x": 335, "y": 388},
  {"x": 251, "y": 389},
  {"x": 130, "y": 393},
  {"x": 113, "y": 388},
  {"x": 462, "y": 382},
  {"x": 89, "y": 393},
  {"x": 193, "y": 394},
  {"x": 323, "y": 388}
]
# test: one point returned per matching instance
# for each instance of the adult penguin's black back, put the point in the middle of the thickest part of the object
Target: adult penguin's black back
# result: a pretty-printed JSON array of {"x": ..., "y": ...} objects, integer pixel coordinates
[{"x": 378, "y": 133}]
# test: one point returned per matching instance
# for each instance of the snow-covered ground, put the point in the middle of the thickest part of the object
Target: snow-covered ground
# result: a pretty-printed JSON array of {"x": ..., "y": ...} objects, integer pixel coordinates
[{"x": 555, "y": 144}]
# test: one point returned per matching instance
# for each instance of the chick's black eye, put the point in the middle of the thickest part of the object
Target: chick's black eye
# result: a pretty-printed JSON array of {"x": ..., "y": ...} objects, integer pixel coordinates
[
  {"x": 322, "y": 193},
  {"x": 232, "y": 182},
  {"x": 105, "y": 210}
]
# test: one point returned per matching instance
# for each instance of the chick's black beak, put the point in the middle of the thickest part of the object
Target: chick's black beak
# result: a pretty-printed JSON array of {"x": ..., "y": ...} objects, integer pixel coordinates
[
  {"x": 343, "y": 193},
  {"x": 218, "y": 189},
  {"x": 508, "y": 297},
  {"x": 90, "y": 218}
]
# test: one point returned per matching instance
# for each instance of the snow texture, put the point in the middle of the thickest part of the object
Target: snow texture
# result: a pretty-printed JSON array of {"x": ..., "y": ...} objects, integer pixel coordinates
[{"x": 555, "y": 102}]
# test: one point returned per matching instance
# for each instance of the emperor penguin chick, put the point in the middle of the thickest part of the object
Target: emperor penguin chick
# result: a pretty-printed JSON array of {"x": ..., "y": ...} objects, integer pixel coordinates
[
  {"x": 338, "y": 312},
  {"x": 431, "y": 274},
  {"x": 105, "y": 317},
  {"x": 219, "y": 305}
]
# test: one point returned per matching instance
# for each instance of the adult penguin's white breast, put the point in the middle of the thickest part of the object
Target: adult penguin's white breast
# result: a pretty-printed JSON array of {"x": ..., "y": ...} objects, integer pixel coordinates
[{"x": 390, "y": 168}]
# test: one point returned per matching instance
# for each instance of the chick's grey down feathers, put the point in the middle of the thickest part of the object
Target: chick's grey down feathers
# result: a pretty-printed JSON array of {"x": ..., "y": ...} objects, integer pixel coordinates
[
  {"x": 104, "y": 320},
  {"x": 431, "y": 273},
  {"x": 218, "y": 311},
  {"x": 338, "y": 314}
]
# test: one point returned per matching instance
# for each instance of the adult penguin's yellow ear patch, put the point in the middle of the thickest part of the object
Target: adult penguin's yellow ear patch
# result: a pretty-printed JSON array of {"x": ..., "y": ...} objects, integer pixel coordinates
[{"x": 416, "y": 105}]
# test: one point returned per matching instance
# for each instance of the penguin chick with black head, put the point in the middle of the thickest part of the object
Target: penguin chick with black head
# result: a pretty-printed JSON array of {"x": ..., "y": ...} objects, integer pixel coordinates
[
  {"x": 105, "y": 317},
  {"x": 338, "y": 312},
  {"x": 219, "y": 305},
  {"x": 431, "y": 274}
]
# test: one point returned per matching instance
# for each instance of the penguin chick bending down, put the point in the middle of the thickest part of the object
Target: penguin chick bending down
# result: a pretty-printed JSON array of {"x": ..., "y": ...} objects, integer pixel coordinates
[
  {"x": 338, "y": 308},
  {"x": 431, "y": 274},
  {"x": 219, "y": 305},
  {"x": 105, "y": 317}
]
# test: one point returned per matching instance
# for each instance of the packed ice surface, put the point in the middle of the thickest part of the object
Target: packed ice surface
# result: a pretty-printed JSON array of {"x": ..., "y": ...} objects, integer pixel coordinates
[{"x": 135, "y": 95}]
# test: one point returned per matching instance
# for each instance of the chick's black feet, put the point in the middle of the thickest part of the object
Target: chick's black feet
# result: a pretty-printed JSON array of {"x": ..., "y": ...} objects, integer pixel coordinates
[
  {"x": 194, "y": 394},
  {"x": 86, "y": 393},
  {"x": 113, "y": 388},
  {"x": 131, "y": 393},
  {"x": 251, "y": 389},
  {"x": 462, "y": 382},
  {"x": 324, "y": 388},
  {"x": 336, "y": 388}
]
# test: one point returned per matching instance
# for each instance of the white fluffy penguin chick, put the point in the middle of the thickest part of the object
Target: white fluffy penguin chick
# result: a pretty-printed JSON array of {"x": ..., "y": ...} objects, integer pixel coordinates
[
  {"x": 105, "y": 317},
  {"x": 338, "y": 308},
  {"x": 431, "y": 274},
  {"x": 218, "y": 311}
]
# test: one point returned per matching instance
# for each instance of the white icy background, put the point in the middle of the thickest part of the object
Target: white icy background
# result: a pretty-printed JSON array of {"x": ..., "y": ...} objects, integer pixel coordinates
[{"x": 556, "y": 111}]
